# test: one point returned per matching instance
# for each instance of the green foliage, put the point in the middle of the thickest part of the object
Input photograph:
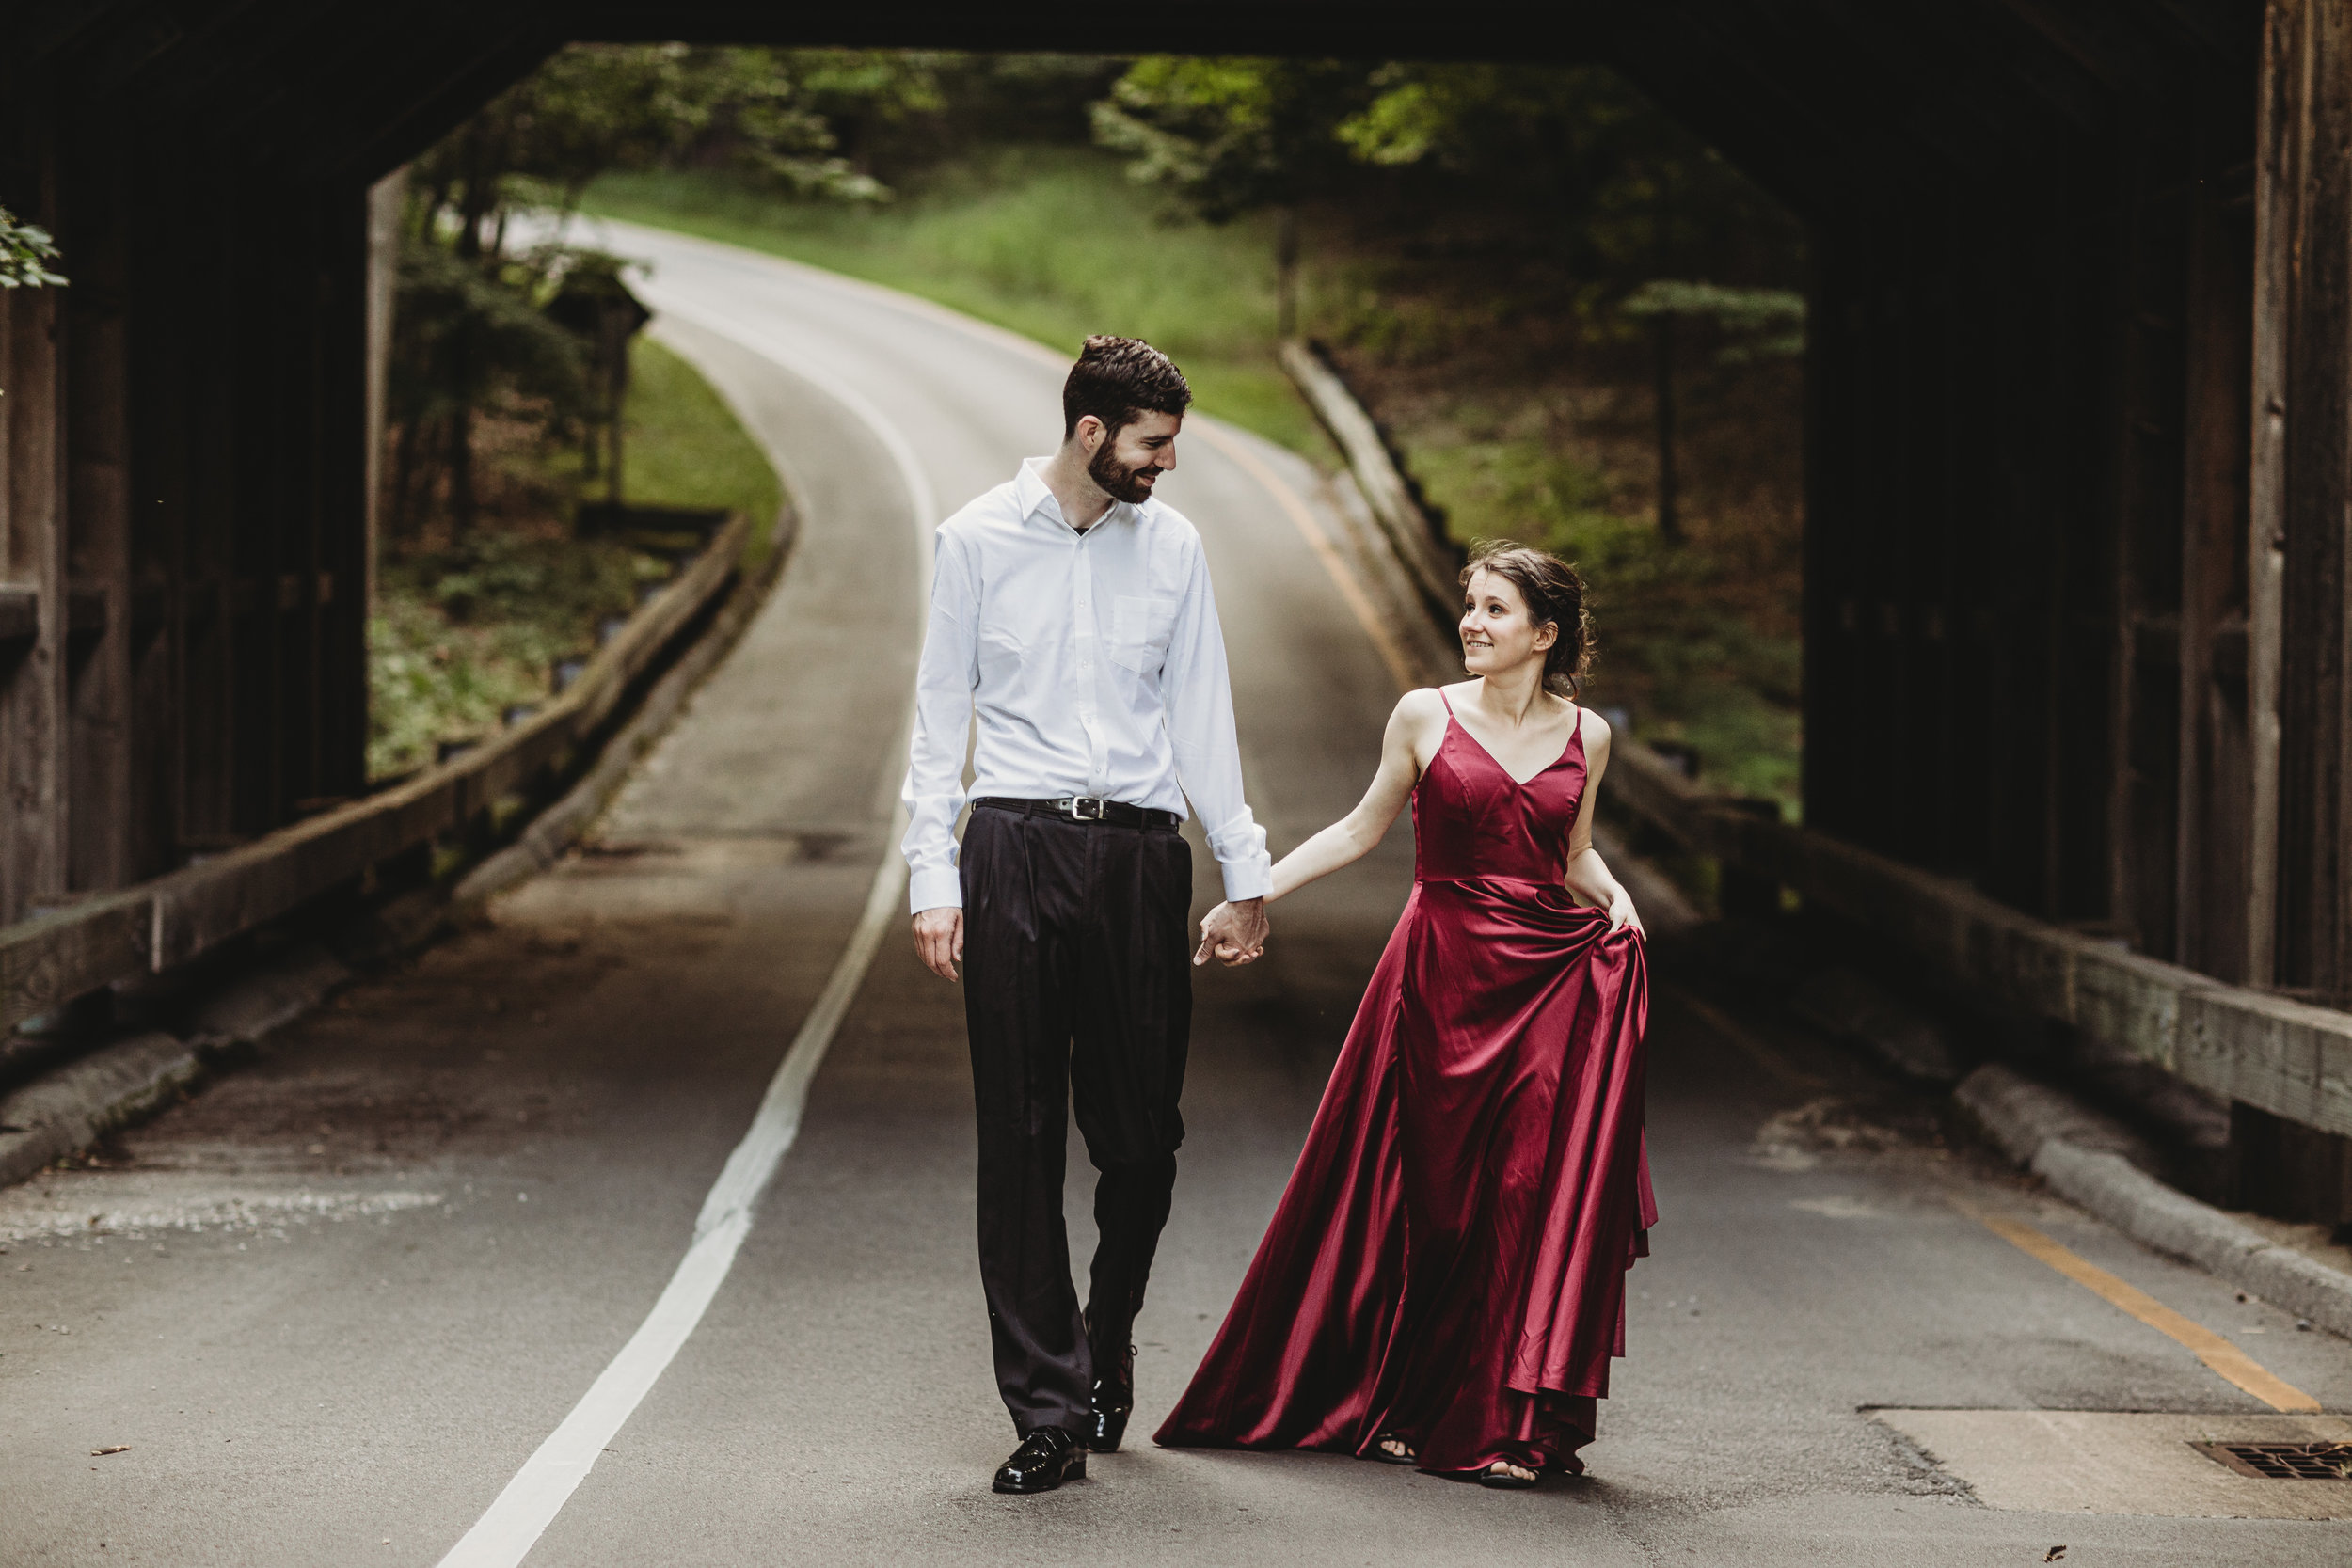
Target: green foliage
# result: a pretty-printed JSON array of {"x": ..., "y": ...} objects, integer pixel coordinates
[
  {"x": 1592, "y": 172},
  {"x": 474, "y": 340},
  {"x": 994, "y": 236},
  {"x": 1228, "y": 134},
  {"x": 1756, "y": 323},
  {"x": 462, "y": 632},
  {"x": 469, "y": 333},
  {"x": 25, "y": 252},
  {"x": 461, "y": 635},
  {"x": 596, "y": 107},
  {"x": 686, "y": 450}
]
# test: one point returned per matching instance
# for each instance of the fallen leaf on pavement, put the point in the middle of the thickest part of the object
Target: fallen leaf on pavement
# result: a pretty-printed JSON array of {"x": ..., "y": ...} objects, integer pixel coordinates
[
  {"x": 2054, "y": 1554},
  {"x": 118, "y": 1448}
]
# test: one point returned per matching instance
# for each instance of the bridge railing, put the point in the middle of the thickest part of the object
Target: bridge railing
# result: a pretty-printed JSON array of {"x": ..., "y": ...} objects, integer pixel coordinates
[
  {"x": 2290, "y": 1058},
  {"x": 157, "y": 924}
]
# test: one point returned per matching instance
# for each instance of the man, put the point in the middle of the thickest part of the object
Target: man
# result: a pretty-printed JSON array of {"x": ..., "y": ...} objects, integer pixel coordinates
[{"x": 1072, "y": 610}]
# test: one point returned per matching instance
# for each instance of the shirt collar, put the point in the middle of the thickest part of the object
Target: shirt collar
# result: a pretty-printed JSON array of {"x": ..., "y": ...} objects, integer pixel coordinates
[{"x": 1034, "y": 499}]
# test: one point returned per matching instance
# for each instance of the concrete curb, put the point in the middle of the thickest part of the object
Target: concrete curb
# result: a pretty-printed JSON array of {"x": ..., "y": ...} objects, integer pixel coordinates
[
  {"x": 117, "y": 1085},
  {"x": 82, "y": 1101},
  {"x": 2051, "y": 1135}
]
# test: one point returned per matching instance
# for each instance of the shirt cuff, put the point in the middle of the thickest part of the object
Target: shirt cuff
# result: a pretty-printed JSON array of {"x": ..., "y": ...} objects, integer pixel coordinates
[
  {"x": 1252, "y": 878},
  {"x": 935, "y": 887}
]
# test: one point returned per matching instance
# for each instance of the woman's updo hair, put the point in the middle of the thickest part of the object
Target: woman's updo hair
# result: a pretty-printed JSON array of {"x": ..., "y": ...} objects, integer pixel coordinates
[{"x": 1552, "y": 592}]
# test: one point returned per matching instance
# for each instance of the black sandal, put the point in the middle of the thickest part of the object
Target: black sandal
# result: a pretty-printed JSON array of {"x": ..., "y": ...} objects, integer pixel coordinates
[
  {"x": 1384, "y": 1457},
  {"x": 1505, "y": 1482}
]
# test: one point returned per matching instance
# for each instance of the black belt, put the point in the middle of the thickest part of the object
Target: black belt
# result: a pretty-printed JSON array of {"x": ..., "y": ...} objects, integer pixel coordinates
[{"x": 1086, "y": 808}]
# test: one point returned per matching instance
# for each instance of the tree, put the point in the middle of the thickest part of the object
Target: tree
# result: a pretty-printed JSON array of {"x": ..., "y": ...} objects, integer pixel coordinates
[
  {"x": 1230, "y": 136},
  {"x": 471, "y": 330},
  {"x": 1621, "y": 197}
]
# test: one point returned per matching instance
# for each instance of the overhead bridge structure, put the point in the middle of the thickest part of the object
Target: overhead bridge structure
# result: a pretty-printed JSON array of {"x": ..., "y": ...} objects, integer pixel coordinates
[{"x": 2079, "y": 411}]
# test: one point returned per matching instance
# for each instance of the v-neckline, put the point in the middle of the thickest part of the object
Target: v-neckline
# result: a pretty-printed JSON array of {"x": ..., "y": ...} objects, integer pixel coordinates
[{"x": 1576, "y": 733}]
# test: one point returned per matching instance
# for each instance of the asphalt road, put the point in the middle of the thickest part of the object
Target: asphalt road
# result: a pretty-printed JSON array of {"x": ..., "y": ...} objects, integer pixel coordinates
[{"x": 335, "y": 1302}]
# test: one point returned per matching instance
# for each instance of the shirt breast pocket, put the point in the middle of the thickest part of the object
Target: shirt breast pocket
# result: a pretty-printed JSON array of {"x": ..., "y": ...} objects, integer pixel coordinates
[{"x": 1142, "y": 624}]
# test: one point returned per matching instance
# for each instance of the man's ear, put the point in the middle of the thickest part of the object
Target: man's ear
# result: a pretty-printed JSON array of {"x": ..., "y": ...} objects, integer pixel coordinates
[{"x": 1089, "y": 434}]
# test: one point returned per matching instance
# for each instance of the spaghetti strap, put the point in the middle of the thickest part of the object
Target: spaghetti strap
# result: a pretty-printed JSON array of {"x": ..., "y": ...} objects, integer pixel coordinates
[{"x": 1447, "y": 701}]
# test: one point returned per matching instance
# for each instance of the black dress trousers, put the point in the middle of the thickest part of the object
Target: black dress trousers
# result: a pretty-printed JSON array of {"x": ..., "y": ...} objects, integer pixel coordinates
[{"x": 1077, "y": 985}]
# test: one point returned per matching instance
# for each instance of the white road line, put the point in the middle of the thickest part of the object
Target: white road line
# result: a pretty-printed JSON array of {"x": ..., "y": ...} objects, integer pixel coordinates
[{"x": 502, "y": 1537}]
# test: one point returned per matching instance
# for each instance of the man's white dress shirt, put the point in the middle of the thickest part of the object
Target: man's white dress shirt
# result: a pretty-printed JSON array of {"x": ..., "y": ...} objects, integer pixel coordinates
[{"x": 1097, "y": 667}]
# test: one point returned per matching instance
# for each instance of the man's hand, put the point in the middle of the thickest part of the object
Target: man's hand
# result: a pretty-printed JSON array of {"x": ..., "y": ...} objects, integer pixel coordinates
[
  {"x": 1236, "y": 933},
  {"x": 939, "y": 940}
]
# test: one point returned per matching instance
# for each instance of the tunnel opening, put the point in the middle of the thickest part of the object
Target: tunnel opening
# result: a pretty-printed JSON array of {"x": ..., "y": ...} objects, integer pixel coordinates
[
  {"x": 2072, "y": 609},
  {"x": 1577, "y": 325}
]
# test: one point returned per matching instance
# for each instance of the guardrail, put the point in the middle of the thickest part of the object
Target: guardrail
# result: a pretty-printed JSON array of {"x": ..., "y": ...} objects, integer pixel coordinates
[
  {"x": 156, "y": 924},
  {"x": 2290, "y": 1058},
  {"x": 1429, "y": 563}
]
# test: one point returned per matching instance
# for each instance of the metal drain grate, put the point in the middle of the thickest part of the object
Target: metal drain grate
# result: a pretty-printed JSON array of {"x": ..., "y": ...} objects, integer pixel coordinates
[{"x": 2283, "y": 1461}]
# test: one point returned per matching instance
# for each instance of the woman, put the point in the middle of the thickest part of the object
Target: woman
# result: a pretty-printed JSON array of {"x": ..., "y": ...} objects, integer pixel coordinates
[{"x": 1443, "y": 1284}]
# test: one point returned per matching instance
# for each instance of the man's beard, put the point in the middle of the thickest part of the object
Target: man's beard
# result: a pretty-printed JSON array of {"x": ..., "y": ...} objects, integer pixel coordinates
[{"x": 1119, "y": 482}]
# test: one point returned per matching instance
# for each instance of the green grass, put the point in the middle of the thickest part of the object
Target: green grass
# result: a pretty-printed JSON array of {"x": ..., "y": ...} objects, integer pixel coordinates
[
  {"x": 464, "y": 632},
  {"x": 1052, "y": 242},
  {"x": 681, "y": 446}
]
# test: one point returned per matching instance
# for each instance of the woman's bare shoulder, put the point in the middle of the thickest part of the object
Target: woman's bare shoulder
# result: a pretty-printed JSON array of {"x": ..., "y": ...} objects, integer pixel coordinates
[
  {"x": 1422, "y": 702},
  {"x": 1593, "y": 727}
]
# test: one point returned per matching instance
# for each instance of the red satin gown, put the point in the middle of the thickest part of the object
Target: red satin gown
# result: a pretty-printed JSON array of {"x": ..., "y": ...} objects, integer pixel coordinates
[{"x": 1448, "y": 1263}]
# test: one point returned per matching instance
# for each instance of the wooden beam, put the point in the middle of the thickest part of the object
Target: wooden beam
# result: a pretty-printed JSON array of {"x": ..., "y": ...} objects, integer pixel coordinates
[
  {"x": 33, "y": 795},
  {"x": 94, "y": 229},
  {"x": 2303, "y": 484},
  {"x": 2213, "y": 857}
]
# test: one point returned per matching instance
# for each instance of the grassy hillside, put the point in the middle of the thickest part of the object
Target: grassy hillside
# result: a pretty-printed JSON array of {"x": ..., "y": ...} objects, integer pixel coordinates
[
  {"x": 1052, "y": 242},
  {"x": 465, "y": 630}
]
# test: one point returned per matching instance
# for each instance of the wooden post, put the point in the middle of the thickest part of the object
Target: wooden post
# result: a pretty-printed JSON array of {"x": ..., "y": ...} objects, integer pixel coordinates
[
  {"x": 97, "y": 527},
  {"x": 2212, "y": 864},
  {"x": 32, "y": 673},
  {"x": 2299, "y": 561},
  {"x": 2302, "y": 488},
  {"x": 386, "y": 198}
]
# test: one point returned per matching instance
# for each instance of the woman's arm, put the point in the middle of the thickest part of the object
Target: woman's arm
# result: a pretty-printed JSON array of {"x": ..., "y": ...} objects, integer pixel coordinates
[
  {"x": 1404, "y": 750},
  {"x": 1588, "y": 876}
]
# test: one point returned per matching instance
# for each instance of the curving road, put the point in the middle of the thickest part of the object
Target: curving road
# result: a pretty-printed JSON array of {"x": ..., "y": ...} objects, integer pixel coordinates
[{"x": 338, "y": 1303}]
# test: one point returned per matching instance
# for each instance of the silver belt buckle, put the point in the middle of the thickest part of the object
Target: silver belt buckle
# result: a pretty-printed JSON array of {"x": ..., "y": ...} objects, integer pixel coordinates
[{"x": 1077, "y": 805}]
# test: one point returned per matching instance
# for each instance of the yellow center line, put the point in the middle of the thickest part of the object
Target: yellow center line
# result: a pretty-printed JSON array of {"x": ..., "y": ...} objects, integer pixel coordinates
[
  {"x": 1344, "y": 577},
  {"x": 2217, "y": 1352}
]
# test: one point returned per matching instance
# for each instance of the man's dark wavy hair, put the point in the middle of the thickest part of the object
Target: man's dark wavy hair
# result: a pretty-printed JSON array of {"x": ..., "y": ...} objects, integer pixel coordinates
[{"x": 1118, "y": 380}]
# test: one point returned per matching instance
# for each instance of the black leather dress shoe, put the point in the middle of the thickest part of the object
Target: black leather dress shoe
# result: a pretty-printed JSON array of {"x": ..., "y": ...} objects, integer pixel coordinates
[
  {"x": 1112, "y": 1399},
  {"x": 1045, "y": 1459}
]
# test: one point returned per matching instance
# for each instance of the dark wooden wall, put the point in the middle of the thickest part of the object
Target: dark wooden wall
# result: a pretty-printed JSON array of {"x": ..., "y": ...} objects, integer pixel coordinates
[
  {"x": 2025, "y": 614},
  {"x": 184, "y": 559},
  {"x": 183, "y": 485}
]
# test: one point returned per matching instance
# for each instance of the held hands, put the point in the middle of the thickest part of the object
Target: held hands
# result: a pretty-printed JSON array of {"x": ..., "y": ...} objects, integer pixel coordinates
[
  {"x": 939, "y": 940},
  {"x": 1236, "y": 933}
]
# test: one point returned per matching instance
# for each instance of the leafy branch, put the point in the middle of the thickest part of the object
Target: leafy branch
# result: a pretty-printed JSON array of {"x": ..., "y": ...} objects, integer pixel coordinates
[{"x": 25, "y": 252}]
